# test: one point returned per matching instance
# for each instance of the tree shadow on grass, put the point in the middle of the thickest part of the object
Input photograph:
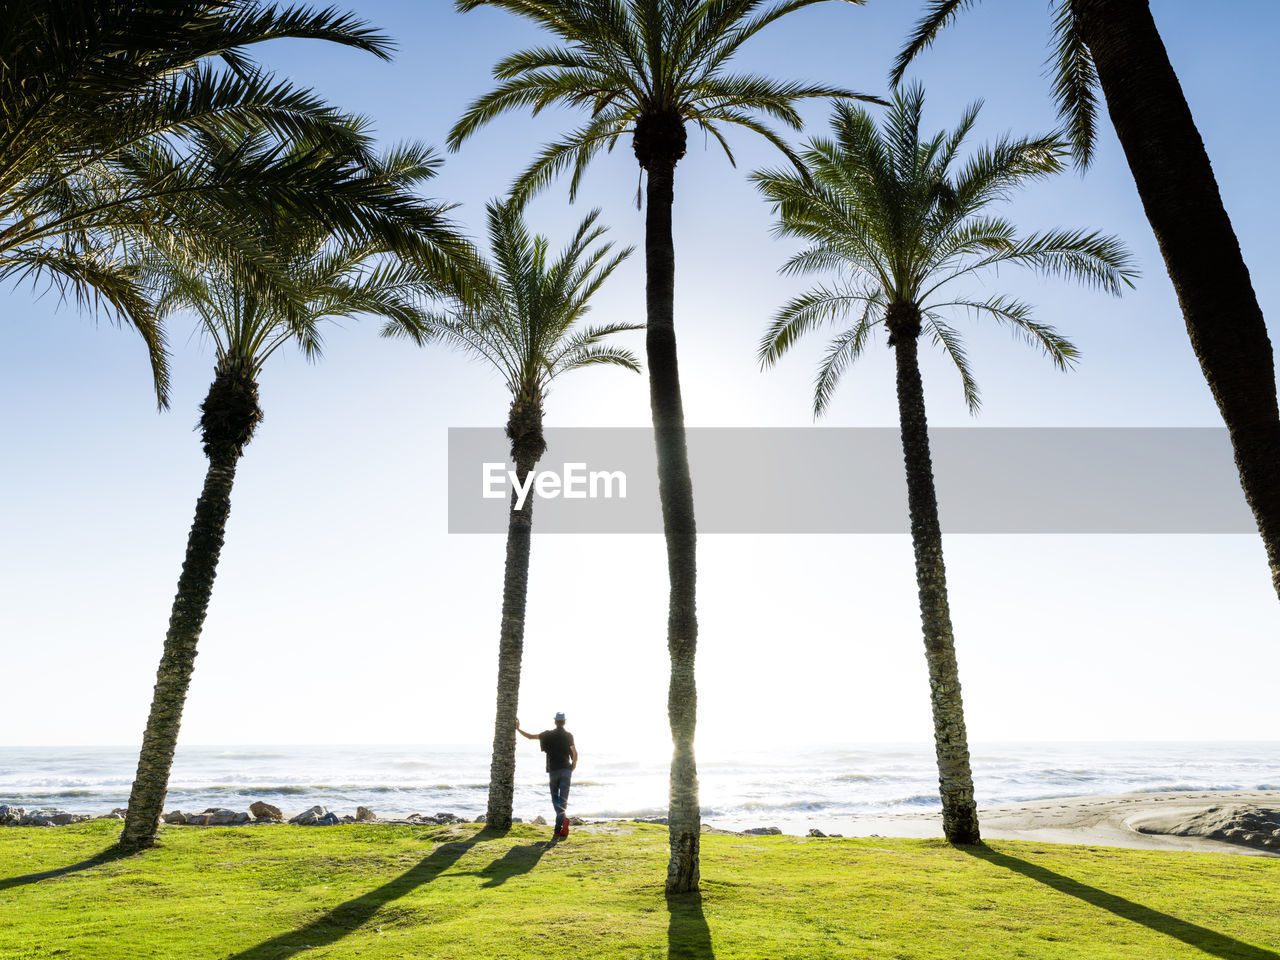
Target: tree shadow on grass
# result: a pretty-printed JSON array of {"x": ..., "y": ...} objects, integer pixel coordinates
[
  {"x": 348, "y": 917},
  {"x": 97, "y": 860},
  {"x": 513, "y": 863},
  {"x": 688, "y": 936},
  {"x": 1194, "y": 935}
]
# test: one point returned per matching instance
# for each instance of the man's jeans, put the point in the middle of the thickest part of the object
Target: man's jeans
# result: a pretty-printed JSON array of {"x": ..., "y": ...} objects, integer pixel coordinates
[{"x": 560, "y": 792}]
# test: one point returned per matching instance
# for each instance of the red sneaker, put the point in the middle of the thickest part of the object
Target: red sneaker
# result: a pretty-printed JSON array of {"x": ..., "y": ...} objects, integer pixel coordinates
[{"x": 564, "y": 829}]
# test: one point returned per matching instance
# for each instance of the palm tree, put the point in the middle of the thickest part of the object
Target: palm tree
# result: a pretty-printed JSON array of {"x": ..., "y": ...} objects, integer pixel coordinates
[
  {"x": 526, "y": 327},
  {"x": 1114, "y": 44},
  {"x": 649, "y": 68},
  {"x": 333, "y": 274},
  {"x": 886, "y": 212},
  {"x": 102, "y": 104}
]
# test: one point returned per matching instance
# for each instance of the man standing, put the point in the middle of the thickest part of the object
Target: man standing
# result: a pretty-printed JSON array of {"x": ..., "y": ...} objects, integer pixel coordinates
[{"x": 562, "y": 760}]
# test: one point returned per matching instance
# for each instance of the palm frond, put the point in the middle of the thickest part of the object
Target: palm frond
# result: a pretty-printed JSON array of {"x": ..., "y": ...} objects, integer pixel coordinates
[
  {"x": 597, "y": 356},
  {"x": 578, "y": 149},
  {"x": 774, "y": 97},
  {"x": 727, "y": 41},
  {"x": 993, "y": 170},
  {"x": 937, "y": 16},
  {"x": 1087, "y": 256},
  {"x": 809, "y": 311},
  {"x": 1017, "y": 316},
  {"x": 535, "y": 89},
  {"x": 1075, "y": 83},
  {"x": 947, "y": 337},
  {"x": 258, "y": 24},
  {"x": 841, "y": 353},
  {"x": 94, "y": 281}
]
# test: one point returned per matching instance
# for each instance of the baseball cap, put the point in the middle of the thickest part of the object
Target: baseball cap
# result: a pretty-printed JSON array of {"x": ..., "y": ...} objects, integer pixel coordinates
[{"x": 559, "y": 718}]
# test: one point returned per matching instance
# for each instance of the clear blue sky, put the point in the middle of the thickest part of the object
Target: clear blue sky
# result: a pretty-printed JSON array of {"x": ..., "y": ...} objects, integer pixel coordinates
[{"x": 343, "y": 611}]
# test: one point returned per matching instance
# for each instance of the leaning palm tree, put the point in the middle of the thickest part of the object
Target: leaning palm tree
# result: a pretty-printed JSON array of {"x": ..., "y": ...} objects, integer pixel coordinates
[
  {"x": 333, "y": 275},
  {"x": 101, "y": 106},
  {"x": 890, "y": 216},
  {"x": 526, "y": 326},
  {"x": 1114, "y": 45},
  {"x": 649, "y": 68}
]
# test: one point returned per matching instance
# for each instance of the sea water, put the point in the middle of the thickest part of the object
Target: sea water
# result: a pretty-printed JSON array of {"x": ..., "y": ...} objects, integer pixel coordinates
[{"x": 816, "y": 783}]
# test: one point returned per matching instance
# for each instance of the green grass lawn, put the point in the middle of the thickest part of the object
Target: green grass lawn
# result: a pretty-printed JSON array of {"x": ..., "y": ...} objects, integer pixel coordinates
[{"x": 265, "y": 893}]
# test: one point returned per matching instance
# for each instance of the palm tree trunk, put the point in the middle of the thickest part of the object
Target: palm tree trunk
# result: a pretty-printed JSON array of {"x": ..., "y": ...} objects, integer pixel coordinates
[
  {"x": 229, "y": 415},
  {"x": 675, "y": 489},
  {"x": 1201, "y": 252},
  {"x": 955, "y": 779},
  {"x": 204, "y": 545},
  {"x": 525, "y": 427}
]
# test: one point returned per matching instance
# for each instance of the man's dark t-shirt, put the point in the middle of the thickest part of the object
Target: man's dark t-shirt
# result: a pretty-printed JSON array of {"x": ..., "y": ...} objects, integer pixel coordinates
[{"x": 555, "y": 744}]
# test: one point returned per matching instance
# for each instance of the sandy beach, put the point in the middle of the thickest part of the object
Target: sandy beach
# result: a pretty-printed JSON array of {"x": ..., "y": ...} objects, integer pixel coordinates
[{"x": 1195, "y": 820}]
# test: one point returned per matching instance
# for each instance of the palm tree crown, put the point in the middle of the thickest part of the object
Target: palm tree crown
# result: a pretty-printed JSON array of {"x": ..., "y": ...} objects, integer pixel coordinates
[
  {"x": 645, "y": 67},
  {"x": 523, "y": 323},
  {"x": 331, "y": 273},
  {"x": 887, "y": 212},
  {"x": 107, "y": 112}
]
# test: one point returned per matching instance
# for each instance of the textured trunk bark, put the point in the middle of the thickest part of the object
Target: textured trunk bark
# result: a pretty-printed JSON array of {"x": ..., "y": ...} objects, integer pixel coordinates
[
  {"x": 515, "y": 589},
  {"x": 1180, "y": 195},
  {"x": 955, "y": 779},
  {"x": 675, "y": 488},
  {"x": 204, "y": 544},
  {"x": 229, "y": 416}
]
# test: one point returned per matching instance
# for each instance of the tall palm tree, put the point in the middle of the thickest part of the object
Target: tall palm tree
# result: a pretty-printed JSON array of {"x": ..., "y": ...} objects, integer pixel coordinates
[
  {"x": 102, "y": 103},
  {"x": 333, "y": 274},
  {"x": 887, "y": 213},
  {"x": 1114, "y": 44},
  {"x": 526, "y": 326},
  {"x": 649, "y": 68}
]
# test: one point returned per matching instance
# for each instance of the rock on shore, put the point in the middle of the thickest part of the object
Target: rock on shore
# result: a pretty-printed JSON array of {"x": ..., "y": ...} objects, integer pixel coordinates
[
  {"x": 48, "y": 817},
  {"x": 265, "y": 811},
  {"x": 1233, "y": 823},
  {"x": 259, "y": 813}
]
